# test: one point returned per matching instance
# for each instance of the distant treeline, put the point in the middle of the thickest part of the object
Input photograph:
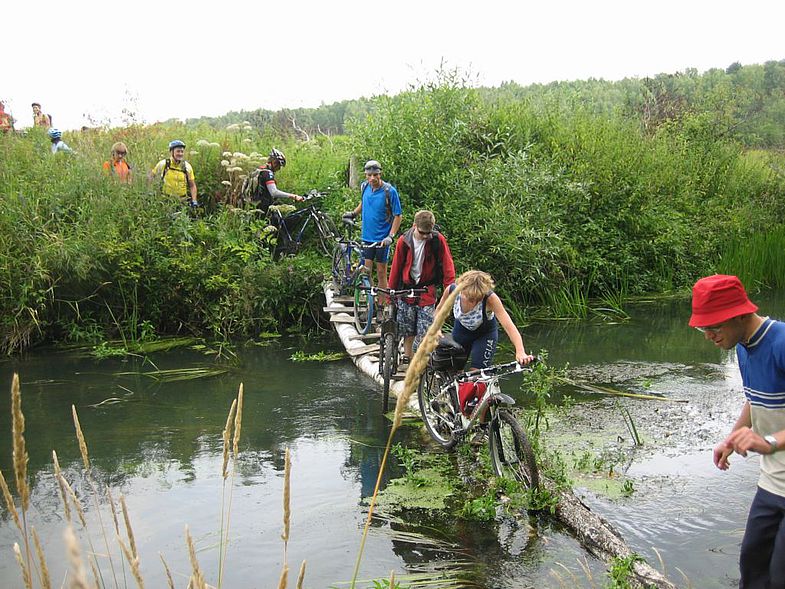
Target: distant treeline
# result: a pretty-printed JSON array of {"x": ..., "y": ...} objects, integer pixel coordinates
[{"x": 745, "y": 103}]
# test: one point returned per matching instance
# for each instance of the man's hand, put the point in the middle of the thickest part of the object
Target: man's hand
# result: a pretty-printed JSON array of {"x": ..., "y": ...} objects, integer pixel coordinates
[
  {"x": 744, "y": 440},
  {"x": 387, "y": 241},
  {"x": 193, "y": 203},
  {"x": 299, "y": 198},
  {"x": 721, "y": 453}
]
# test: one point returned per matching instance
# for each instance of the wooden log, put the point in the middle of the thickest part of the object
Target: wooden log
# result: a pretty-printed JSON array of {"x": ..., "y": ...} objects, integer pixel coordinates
[{"x": 600, "y": 538}]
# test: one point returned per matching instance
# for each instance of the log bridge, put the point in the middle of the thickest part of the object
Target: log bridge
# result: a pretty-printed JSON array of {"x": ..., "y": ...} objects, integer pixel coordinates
[{"x": 595, "y": 533}]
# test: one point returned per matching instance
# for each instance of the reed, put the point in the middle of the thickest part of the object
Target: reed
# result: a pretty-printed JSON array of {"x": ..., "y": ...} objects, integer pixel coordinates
[
  {"x": 80, "y": 438},
  {"x": 61, "y": 486},
  {"x": 284, "y": 577},
  {"x": 46, "y": 582},
  {"x": 227, "y": 433},
  {"x": 20, "y": 459},
  {"x": 169, "y": 579},
  {"x": 410, "y": 382},
  {"x": 287, "y": 474},
  {"x": 197, "y": 577},
  {"x": 129, "y": 530},
  {"x": 301, "y": 576},
  {"x": 238, "y": 422},
  {"x": 26, "y": 579},
  {"x": 9, "y": 501},
  {"x": 133, "y": 561},
  {"x": 77, "y": 572}
]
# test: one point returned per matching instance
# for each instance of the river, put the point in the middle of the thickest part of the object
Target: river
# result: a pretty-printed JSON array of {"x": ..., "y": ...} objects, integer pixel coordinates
[{"x": 159, "y": 445}]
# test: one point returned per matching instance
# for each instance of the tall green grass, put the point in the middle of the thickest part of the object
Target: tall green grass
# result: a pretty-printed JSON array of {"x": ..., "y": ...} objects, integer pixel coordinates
[{"x": 83, "y": 257}]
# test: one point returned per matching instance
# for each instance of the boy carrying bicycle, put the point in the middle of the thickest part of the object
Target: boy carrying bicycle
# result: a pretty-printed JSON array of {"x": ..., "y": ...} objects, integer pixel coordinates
[{"x": 422, "y": 260}]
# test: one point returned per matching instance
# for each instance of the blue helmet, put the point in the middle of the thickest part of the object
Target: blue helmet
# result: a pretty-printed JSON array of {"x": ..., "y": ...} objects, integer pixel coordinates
[
  {"x": 176, "y": 143},
  {"x": 54, "y": 133}
]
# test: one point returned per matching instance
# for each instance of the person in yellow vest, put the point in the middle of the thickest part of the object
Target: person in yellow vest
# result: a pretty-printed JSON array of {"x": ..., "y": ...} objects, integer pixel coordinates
[
  {"x": 118, "y": 166},
  {"x": 39, "y": 118},
  {"x": 176, "y": 175}
]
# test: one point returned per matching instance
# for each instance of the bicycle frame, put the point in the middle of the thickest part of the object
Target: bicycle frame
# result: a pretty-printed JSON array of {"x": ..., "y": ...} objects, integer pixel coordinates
[{"x": 493, "y": 396}]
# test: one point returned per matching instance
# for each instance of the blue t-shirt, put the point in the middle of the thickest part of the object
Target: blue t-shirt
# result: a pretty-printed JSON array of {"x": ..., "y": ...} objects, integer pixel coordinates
[
  {"x": 762, "y": 367},
  {"x": 376, "y": 223}
]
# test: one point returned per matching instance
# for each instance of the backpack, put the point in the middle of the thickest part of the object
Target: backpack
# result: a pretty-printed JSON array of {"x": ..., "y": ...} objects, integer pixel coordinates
[
  {"x": 168, "y": 166},
  {"x": 251, "y": 190},
  {"x": 387, "y": 201}
]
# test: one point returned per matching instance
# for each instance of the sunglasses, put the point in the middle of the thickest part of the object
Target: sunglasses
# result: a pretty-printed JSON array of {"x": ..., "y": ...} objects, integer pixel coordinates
[
  {"x": 713, "y": 330},
  {"x": 425, "y": 234},
  {"x": 121, "y": 152}
]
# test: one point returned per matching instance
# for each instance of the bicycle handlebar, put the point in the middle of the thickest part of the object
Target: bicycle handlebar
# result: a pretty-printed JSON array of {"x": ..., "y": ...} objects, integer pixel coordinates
[
  {"x": 313, "y": 194},
  {"x": 495, "y": 371},
  {"x": 405, "y": 293}
]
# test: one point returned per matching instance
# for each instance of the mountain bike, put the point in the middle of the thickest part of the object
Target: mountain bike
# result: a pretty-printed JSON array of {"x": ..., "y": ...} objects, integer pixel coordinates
[
  {"x": 448, "y": 422},
  {"x": 351, "y": 276},
  {"x": 390, "y": 342},
  {"x": 291, "y": 227}
]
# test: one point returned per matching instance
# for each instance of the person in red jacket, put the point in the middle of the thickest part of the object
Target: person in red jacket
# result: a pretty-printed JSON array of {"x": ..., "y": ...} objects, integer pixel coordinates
[{"x": 422, "y": 259}]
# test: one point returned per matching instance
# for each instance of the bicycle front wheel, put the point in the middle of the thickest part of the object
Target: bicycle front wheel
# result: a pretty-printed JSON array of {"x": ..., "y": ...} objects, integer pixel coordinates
[
  {"x": 363, "y": 304},
  {"x": 327, "y": 232},
  {"x": 389, "y": 362},
  {"x": 437, "y": 408},
  {"x": 511, "y": 453},
  {"x": 340, "y": 267}
]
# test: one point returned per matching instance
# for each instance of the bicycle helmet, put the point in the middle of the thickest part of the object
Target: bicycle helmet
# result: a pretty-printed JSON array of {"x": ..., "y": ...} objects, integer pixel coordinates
[
  {"x": 54, "y": 133},
  {"x": 372, "y": 167},
  {"x": 277, "y": 155},
  {"x": 176, "y": 143}
]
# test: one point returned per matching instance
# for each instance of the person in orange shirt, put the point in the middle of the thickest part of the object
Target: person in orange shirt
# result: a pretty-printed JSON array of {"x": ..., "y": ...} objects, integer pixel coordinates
[
  {"x": 6, "y": 120},
  {"x": 118, "y": 166},
  {"x": 39, "y": 118}
]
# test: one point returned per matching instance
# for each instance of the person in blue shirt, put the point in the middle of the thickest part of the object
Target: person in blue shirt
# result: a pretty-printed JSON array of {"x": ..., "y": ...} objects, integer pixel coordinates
[
  {"x": 58, "y": 144},
  {"x": 725, "y": 315},
  {"x": 380, "y": 207}
]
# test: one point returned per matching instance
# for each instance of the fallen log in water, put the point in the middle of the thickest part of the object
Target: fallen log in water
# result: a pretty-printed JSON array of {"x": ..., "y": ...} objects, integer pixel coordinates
[{"x": 600, "y": 538}]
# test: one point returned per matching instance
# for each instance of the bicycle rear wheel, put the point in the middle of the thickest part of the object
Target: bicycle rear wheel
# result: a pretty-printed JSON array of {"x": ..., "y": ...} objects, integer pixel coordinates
[
  {"x": 437, "y": 408},
  {"x": 363, "y": 304},
  {"x": 511, "y": 453},
  {"x": 389, "y": 360}
]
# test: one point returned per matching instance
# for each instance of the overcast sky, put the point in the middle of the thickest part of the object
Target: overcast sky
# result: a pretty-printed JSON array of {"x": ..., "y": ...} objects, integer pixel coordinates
[{"x": 187, "y": 59}]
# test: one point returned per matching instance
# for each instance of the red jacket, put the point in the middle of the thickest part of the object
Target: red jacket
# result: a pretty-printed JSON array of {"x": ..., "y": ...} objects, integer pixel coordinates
[{"x": 400, "y": 273}]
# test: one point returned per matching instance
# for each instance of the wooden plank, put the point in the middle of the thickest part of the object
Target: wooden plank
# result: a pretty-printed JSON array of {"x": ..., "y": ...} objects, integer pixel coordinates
[
  {"x": 341, "y": 319},
  {"x": 367, "y": 336},
  {"x": 359, "y": 351},
  {"x": 338, "y": 309},
  {"x": 343, "y": 299}
]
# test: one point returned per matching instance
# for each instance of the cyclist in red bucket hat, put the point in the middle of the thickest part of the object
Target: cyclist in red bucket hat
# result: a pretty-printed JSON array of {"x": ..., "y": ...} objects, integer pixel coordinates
[{"x": 723, "y": 312}]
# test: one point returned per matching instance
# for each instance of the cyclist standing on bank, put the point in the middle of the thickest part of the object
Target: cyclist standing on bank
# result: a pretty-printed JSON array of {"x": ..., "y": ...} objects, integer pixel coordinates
[
  {"x": 422, "y": 260},
  {"x": 58, "y": 145},
  {"x": 380, "y": 207},
  {"x": 260, "y": 186},
  {"x": 176, "y": 175}
]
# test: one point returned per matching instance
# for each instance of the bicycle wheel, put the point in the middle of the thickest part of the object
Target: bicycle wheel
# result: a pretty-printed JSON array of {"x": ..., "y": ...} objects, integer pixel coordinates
[
  {"x": 389, "y": 360},
  {"x": 511, "y": 453},
  {"x": 327, "y": 232},
  {"x": 437, "y": 408},
  {"x": 363, "y": 304},
  {"x": 339, "y": 268}
]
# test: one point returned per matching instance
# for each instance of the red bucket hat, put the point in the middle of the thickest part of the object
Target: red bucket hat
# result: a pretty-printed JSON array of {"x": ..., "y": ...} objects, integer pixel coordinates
[{"x": 718, "y": 298}]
